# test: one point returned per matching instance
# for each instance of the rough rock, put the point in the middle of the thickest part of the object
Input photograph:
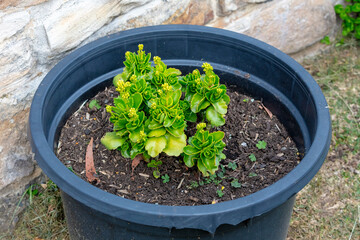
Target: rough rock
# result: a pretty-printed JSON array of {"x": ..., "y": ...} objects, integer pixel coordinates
[
  {"x": 226, "y": 7},
  {"x": 290, "y": 25},
  {"x": 147, "y": 15},
  {"x": 10, "y": 204},
  {"x": 17, "y": 63},
  {"x": 16, "y": 159},
  {"x": 19, "y": 3},
  {"x": 197, "y": 12},
  {"x": 255, "y": 1},
  {"x": 17, "y": 167},
  {"x": 73, "y": 23}
]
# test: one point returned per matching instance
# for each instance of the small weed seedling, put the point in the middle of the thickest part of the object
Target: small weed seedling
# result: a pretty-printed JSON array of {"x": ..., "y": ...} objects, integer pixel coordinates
[
  {"x": 220, "y": 192},
  {"x": 221, "y": 173},
  {"x": 165, "y": 178},
  {"x": 232, "y": 166},
  {"x": 235, "y": 183},
  {"x": 326, "y": 40},
  {"x": 261, "y": 145},
  {"x": 94, "y": 104},
  {"x": 212, "y": 179},
  {"x": 193, "y": 184},
  {"x": 252, "y": 157},
  {"x": 252, "y": 174},
  {"x": 155, "y": 164}
]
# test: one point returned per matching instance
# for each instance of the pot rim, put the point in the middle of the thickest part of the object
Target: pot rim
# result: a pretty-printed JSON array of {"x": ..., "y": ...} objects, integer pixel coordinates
[{"x": 206, "y": 217}]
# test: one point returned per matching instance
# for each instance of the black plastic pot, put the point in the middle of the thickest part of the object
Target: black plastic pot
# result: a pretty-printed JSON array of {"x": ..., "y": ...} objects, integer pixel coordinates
[{"x": 259, "y": 69}]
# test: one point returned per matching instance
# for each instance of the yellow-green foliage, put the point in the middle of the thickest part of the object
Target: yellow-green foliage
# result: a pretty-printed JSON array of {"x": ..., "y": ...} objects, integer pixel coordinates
[{"x": 150, "y": 116}]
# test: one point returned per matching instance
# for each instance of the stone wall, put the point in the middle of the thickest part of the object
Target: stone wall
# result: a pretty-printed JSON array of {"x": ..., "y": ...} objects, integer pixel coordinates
[{"x": 36, "y": 34}]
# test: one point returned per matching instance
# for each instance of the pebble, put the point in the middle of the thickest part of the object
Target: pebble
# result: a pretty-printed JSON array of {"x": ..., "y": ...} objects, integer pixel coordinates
[
  {"x": 244, "y": 144},
  {"x": 283, "y": 148}
]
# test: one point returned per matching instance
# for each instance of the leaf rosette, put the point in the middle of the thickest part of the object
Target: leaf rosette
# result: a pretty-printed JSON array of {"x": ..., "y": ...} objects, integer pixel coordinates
[{"x": 205, "y": 150}]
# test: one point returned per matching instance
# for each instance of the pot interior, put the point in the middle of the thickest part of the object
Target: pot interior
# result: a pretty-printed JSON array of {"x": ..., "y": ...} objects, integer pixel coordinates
[{"x": 247, "y": 84}]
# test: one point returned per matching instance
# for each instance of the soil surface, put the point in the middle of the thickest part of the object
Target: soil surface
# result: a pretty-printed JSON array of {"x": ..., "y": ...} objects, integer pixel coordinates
[{"x": 247, "y": 123}]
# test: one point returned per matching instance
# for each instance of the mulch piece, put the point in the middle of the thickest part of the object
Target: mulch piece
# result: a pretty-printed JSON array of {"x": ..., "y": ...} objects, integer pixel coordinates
[{"x": 247, "y": 122}]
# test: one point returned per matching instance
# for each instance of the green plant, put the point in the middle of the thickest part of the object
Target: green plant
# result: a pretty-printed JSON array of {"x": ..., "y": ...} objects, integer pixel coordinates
[
  {"x": 205, "y": 150},
  {"x": 219, "y": 192},
  {"x": 326, "y": 40},
  {"x": 261, "y": 145},
  {"x": 94, "y": 104},
  {"x": 350, "y": 17},
  {"x": 206, "y": 95},
  {"x": 232, "y": 165},
  {"x": 252, "y": 174},
  {"x": 155, "y": 164},
  {"x": 194, "y": 184},
  {"x": 165, "y": 178},
  {"x": 252, "y": 157},
  {"x": 154, "y": 105},
  {"x": 235, "y": 183}
]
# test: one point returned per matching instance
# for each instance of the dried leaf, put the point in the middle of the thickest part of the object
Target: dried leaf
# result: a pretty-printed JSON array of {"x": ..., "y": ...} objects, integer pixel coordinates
[
  {"x": 89, "y": 163},
  {"x": 267, "y": 110},
  {"x": 136, "y": 162}
]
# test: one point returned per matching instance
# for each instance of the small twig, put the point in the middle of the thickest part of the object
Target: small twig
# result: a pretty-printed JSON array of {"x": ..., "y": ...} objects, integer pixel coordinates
[
  {"x": 353, "y": 229},
  {"x": 180, "y": 183},
  {"x": 277, "y": 127},
  {"x": 81, "y": 106},
  {"x": 252, "y": 166}
]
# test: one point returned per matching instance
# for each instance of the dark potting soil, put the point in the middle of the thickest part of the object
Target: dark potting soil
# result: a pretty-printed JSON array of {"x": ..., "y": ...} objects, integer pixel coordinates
[{"x": 247, "y": 123}]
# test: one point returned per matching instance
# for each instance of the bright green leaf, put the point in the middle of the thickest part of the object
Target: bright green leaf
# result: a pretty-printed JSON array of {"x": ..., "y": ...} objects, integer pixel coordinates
[
  {"x": 93, "y": 104},
  {"x": 156, "y": 174},
  {"x": 190, "y": 150},
  {"x": 175, "y": 145},
  {"x": 202, "y": 168},
  {"x": 155, "y": 145},
  {"x": 189, "y": 160},
  {"x": 111, "y": 141},
  {"x": 220, "y": 107},
  {"x": 252, "y": 157},
  {"x": 157, "y": 132},
  {"x": 135, "y": 134},
  {"x": 214, "y": 117},
  {"x": 196, "y": 101},
  {"x": 218, "y": 136},
  {"x": 261, "y": 145}
]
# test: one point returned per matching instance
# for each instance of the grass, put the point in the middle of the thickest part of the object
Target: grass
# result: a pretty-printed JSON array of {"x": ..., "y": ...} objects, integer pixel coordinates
[
  {"x": 43, "y": 218},
  {"x": 327, "y": 208}
]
